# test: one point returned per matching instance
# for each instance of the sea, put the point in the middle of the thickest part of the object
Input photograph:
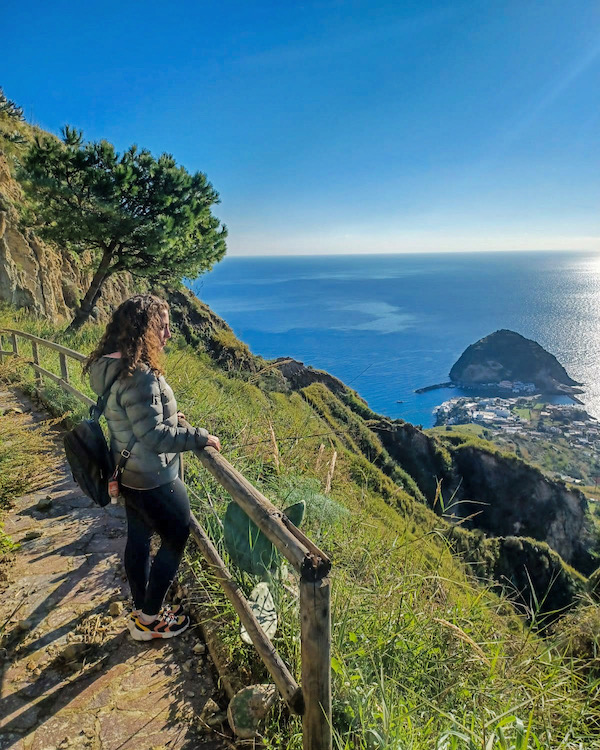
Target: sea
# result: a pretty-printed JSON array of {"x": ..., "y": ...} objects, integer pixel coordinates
[{"x": 389, "y": 324}]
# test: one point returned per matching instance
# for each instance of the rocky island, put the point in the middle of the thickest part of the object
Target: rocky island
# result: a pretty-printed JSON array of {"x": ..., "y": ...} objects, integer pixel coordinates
[
  {"x": 507, "y": 357},
  {"x": 508, "y": 361}
]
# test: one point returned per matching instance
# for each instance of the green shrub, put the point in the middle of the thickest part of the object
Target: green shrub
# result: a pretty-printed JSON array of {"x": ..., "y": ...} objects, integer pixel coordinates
[{"x": 577, "y": 636}]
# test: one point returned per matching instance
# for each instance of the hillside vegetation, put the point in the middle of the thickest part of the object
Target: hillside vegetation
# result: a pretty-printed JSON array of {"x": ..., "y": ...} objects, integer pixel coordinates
[
  {"x": 445, "y": 635},
  {"x": 424, "y": 656}
]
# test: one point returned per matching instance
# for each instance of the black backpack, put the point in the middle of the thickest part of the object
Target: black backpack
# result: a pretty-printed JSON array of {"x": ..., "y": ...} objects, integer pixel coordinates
[{"x": 89, "y": 456}]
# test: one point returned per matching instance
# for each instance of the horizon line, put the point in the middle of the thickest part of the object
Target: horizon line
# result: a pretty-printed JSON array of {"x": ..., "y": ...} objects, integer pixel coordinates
[{"x": 407, "y": 252}]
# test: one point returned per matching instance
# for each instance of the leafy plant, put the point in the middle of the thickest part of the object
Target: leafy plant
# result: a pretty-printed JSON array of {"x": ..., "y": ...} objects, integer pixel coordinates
[{"x": 249, "y": 549}]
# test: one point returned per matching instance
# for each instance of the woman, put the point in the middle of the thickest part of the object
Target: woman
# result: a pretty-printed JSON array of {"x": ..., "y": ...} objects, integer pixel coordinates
[{"x": 142, "y": 417}]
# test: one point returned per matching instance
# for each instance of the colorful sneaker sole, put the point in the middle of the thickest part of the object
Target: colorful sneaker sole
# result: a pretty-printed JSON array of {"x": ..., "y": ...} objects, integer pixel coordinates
[
  {"x": 141, "y": 632},
  {"x": 175, "y": 610}
]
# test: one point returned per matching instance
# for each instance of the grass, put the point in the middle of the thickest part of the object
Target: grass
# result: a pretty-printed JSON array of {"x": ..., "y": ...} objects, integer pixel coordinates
[
  {"x": 523, "y": 413},
  {"x": 423, "y": 656},
  {"x": 469, "y": 429},
  {"x": 26, "y": 461}
]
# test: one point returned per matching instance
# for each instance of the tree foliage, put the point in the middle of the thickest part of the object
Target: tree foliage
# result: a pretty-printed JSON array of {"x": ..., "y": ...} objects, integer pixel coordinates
[
  {"x": 9, "y": 108},
  {"x": 137, "y": 213}
]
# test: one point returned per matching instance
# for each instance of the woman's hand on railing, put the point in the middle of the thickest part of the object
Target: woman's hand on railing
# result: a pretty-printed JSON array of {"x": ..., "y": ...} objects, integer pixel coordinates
[{"x": 214, "y": 442}]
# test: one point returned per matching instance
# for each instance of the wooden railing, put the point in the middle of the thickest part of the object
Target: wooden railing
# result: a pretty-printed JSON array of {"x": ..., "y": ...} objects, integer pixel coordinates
[
  {"x": 63, "y": 353},
  {"x": 313, "y": 700}
]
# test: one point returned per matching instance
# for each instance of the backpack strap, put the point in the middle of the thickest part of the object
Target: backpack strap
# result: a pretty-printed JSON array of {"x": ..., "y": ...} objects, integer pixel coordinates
[
  {"x": 97, "y": 409},
  {"x": 124, "y": 455},
  {"x": 96, "y": 412}
]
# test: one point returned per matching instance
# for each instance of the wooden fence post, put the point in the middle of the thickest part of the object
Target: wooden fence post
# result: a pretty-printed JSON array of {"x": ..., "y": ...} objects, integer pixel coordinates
[
  {"x": 15, "y": 344},
  {"x": 315, "y": 634},
  {"x": 275, "y": 448},
  {"x": 1, "y": 348},
  {"x": 36, "y": 358},
  {"x": 330, "y": 473},
  {"x": 319, "y": 457},
  {"x": 64, "y": 370}
]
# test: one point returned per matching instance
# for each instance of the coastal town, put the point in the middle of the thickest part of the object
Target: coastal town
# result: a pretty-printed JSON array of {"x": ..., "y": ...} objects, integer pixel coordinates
[{"x": 562, "y": 438}]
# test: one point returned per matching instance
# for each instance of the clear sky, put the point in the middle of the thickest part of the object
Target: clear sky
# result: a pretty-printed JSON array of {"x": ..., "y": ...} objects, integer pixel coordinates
[{"x": 333, "y": 126}]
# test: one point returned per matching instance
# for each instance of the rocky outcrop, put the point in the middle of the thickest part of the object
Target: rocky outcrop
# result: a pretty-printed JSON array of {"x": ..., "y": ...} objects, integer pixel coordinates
[
  {"x": 505, "y": 496},
  {"x": 300, "y": 376},
  {"x": 506, "y": 355},
  {"x": 529, "y": 572},
  {"x": 497, "y": 493},
  {"x": 423, "y": 457},
  {"x": 46, "y": 281},
  {"x": 207, "y": 331},
  {"x": 30, "y": 275}
]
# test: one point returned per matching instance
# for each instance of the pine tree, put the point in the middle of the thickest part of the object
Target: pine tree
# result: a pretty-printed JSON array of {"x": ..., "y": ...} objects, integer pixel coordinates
[
  {"x": 9, "y": 108},
  {"x": 134, "y": 212}
]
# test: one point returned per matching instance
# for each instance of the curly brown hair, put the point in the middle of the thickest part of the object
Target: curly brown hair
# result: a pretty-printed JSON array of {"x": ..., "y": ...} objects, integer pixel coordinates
[{"x": 133, "y": 330}]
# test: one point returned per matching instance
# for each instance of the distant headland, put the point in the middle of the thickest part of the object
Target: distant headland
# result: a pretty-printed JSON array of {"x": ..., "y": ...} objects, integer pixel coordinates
[{"x": 510, "y": 362}]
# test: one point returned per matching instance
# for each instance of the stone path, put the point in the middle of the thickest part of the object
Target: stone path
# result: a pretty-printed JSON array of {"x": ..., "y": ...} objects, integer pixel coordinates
[{"x": 72, "y": 677}]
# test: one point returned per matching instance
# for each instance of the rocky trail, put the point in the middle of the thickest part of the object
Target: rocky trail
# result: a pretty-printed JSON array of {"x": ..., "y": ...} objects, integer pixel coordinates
[{"x": 72, "y": 677}]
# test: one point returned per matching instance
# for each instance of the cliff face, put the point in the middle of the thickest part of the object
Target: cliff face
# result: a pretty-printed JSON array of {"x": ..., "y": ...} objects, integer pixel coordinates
[
  {"x": 30, "y": 276},
  {"x": 512, "y": 498},
  {"x": 424, "y": 458},
  {"x": 501, "y": 495},
  {"x": 528, "y": 571},
  {"x": 506, "y": 355}
]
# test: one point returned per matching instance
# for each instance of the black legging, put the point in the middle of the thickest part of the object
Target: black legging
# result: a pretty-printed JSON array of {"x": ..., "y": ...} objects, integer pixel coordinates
[{"x": 166, "y": 511}]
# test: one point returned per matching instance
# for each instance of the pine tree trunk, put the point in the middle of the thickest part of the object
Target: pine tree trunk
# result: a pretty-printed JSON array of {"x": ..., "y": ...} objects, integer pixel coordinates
[{"x": 84, "y": 311}]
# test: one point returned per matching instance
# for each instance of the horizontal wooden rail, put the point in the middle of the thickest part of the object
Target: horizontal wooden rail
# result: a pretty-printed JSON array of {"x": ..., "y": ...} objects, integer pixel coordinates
[
  {"x": 287, "y": 686},
  {"x": 63, "y": 383},
  {"x": 306, "y": 557},
  {"x": 48, "y": 344},
  {"x": 64, "y": 352}
]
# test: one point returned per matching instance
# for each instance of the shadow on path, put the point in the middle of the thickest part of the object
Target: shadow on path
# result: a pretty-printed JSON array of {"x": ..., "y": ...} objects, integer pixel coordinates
[{"x": 71, "y": 676}]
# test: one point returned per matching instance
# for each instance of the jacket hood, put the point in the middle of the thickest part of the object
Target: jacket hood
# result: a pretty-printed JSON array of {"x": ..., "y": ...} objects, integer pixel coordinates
[{"x": 103, "y": 372}]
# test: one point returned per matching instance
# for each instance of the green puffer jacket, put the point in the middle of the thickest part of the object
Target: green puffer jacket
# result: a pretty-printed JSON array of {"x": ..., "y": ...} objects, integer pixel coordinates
[{"x": 143, "y": 404}]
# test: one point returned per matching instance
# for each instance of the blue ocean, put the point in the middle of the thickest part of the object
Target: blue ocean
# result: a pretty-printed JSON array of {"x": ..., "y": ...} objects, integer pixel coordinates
[{"x": 388, "y": 324}]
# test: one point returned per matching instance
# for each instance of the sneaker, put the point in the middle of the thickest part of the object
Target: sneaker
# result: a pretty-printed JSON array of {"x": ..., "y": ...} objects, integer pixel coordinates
[
  {"x": 176, "y": 610},
  {"x": 165, "y": 626}
]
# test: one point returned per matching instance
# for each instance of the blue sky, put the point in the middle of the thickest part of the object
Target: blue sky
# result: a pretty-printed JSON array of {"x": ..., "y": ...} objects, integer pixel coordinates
[{"x": 339, "y": 126}]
